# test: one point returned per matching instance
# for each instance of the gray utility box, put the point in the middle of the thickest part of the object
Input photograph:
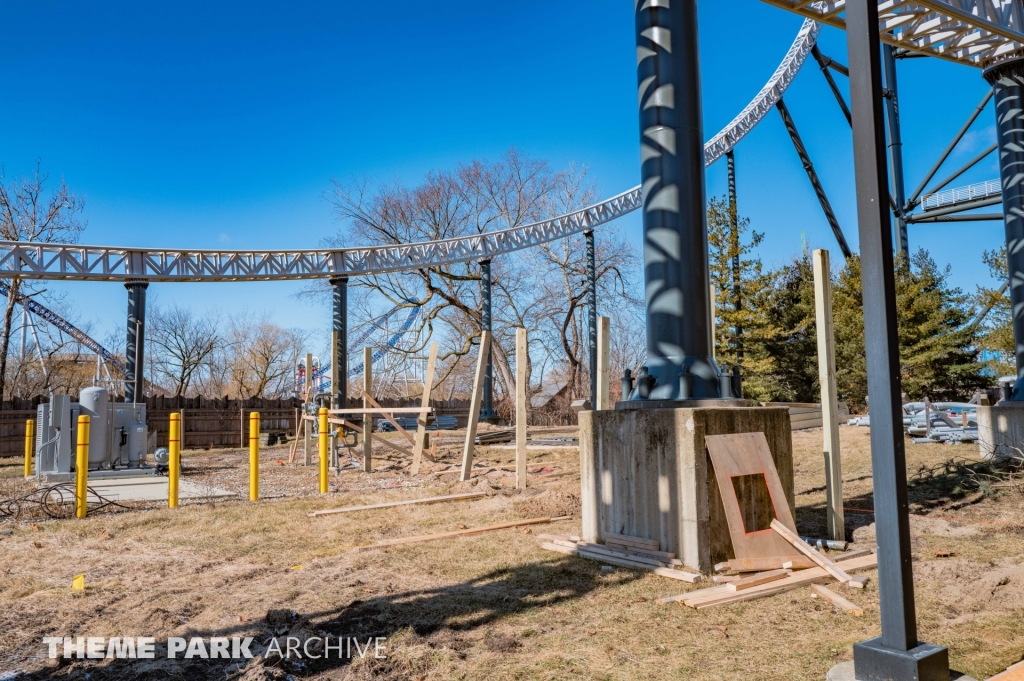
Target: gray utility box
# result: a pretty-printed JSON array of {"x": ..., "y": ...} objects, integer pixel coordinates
[{"x": 117, "y": 437}]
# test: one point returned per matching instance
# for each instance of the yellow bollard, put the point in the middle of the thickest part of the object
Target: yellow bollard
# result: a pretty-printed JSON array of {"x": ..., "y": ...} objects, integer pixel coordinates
[
  {"x": 254, "y": 456},
  {"x": 322, "y": 428},
  {"x": 30, "y": 431},
  {"x": 82, "y": 466},
  {"x": 173, "y": 460}
]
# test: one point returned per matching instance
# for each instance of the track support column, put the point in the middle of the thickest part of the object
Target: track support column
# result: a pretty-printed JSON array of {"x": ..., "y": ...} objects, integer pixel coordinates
[
  {"x": 135, "y": 347},
  {"x": 675, "y": 222},
  {"x": 899, "y": 191},
  {"x": 339, "y": 343},
  {"x": 592, "y": 315},
  {"x": 487, "y": 412},
  {"x": 896, "y": 654},
  {"x": 1007, "y": 81}
]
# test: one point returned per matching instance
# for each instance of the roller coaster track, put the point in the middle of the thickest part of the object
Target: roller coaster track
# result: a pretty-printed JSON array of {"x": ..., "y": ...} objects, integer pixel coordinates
[{"x": 100, "y": 263}]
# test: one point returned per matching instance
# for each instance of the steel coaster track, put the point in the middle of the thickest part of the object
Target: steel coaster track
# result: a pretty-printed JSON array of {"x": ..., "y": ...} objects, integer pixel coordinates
[{"x": 101, "y": 263}]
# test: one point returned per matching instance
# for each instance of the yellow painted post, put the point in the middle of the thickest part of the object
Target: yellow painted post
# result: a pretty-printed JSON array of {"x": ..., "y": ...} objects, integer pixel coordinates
[
  {"x": 173, "y": 460},
  {"x": 30, "y": 431},
  {"x": 82, "y": 466},
  {"x": 254, "y": 456},
  {"x": 322, "y": 430}
]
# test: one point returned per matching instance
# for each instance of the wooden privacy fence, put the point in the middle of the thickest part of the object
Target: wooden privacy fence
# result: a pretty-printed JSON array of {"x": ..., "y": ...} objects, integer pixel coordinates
[{"x": 208, "y": 423}]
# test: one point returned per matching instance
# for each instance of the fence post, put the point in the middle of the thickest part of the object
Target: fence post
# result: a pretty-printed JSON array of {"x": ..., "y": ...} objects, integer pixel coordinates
[
  {"x": 254, "y": 456},
  {"x": 30, "y": 429},
  {"x": 82, "y": 466}
]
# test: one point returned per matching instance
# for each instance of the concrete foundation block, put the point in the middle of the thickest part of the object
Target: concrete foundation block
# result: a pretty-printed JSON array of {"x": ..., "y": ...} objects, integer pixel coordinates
[
  {"x": 646, "y": 473},
  {"x": 1001, "y": 430}
]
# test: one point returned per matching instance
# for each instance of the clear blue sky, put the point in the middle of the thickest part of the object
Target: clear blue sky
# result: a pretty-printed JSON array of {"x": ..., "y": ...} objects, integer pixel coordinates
[{"x": 208, "y": 125}]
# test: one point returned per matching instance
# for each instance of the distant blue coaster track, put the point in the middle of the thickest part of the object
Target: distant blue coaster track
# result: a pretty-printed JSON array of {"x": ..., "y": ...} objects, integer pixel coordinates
[{"x": 372, "y": 327}]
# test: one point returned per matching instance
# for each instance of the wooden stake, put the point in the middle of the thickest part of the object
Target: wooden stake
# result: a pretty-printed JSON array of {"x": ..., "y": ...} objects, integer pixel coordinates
[
  {"x": 522, "y": 382},
  {"x": 410, "y": 502},
  {"x": 603, "y": 364},
  {"x": 384, "y": 412},
  {"x": 421, "y": 422},
  {"x": 474, "y": 405},
  {"x": 800, "y": 545},
  {"x": 368, "y": 418},
  {"x": 837, "y": 600},
  {"x": 829, "y": 399}
]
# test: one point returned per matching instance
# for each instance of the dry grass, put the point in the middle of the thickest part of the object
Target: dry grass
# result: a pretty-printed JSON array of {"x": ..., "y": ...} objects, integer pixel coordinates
[{"x": 492, "y": 606}]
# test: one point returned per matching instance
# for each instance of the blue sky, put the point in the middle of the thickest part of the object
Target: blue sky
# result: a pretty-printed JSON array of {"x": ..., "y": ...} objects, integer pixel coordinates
[{"x": 221, "y": 125}]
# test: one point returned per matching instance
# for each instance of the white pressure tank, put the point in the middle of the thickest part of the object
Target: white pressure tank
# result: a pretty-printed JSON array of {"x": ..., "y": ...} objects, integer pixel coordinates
[{"x": 94, "y": 403}]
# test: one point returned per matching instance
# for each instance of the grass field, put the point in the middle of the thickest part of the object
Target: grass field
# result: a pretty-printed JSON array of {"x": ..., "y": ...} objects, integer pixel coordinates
[{"x": 493, "y": 606}]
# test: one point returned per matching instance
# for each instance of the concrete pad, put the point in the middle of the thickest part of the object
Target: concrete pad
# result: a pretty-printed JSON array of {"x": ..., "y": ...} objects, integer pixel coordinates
[
  {"x": 1001, "y": 430},
  {"x": 844, "y": 672},
  {"x": 151, "y": 489}
]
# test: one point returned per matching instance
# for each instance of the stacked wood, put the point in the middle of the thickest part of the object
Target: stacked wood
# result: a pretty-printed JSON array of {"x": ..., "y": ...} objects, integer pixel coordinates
[{"x": 630, "y": 552}]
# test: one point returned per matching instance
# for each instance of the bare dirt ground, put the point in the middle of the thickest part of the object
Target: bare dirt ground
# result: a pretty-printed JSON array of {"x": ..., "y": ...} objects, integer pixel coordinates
[{"x": 492, "y": 606}]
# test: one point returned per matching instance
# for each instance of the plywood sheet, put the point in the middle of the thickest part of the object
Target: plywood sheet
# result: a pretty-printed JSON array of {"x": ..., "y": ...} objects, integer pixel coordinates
[{"x": 738, "y": 459}]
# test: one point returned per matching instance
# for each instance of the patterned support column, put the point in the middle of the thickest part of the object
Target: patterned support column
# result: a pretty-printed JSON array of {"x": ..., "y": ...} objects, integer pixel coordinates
[
  {"x": 592, "y": 315},
  {"x": 672, "y": 176},
  {"x": 1007, "y": 81},
  {"x": 339, "y": 343},
  {"x": 135, "y": 346},
  {"x": 487, "y": 409}
]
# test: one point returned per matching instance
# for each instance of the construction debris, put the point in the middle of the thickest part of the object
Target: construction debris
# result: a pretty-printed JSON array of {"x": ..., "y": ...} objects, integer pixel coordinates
[
  {"x": 495, "y": 437},
  {"x": 624, "y": 551},
  {"x": 837, "y": 600},
  {"x": 409, "y": 502}
]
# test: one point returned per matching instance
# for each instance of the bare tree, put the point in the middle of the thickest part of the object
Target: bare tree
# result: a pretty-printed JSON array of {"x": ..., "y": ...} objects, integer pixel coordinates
[
  {"x": 183, "y": 343},
  {"x": 262, "y": 356},
  {"x": 28, "y": 213}
]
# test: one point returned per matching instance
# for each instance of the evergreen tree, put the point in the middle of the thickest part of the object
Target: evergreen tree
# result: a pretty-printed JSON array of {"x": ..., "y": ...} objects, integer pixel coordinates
[
  {"x": 996, "y": 330},
  {"x": 741, "y": 291},
  {"x": 792, "y": 350},
  {"x": 938, "y": 348}
]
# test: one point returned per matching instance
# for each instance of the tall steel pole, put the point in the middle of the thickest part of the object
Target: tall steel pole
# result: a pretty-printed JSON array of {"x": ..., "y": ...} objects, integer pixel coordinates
[
  {"x": 592, "y": 315},
  {"x": 135, "y": 345},
  {"x": 339, "y": 343},
  {"x": 895, "y": 148},
  {"x": 1007, "y": 81},
  {"x": 487, "y": 409},
  {"x": 672, "y": 175},
  {"x": 734, "y": 245},
  {"x": 896, "y": 654}
]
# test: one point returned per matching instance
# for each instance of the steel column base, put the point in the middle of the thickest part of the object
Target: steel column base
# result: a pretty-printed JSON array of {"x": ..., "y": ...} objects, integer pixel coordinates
[{"x": 873, "y": 661}]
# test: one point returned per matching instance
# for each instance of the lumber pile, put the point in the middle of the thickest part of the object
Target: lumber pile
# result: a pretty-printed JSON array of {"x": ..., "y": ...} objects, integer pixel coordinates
[
  {"x": 622, "y": 551},
  {"x": 495, "y": 437}
]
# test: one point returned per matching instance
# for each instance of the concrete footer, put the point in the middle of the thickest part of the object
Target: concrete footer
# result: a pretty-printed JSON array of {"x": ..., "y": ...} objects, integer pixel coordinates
[{"x": 844, "y": 672}]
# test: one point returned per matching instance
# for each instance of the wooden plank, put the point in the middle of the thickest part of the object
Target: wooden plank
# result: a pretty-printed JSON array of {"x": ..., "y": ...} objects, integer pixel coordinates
[
  {"x": 458, "y": 533},
  {"x": 837, "y": 600},
  {"x": 663, "y": 555},
  {"x": 706, "y": 598},
  {"x": 639, "y": 542},
  {"x": 624, "y": 555},
  {"x": 367, "y": 418},
  {"x": 356, "y": 411},
  {"x": 856, "y": 553},
  {"x": 343, "y": 422},
  {"x": 747, "y": 454},
  {"x": 1014, "y": 673},
  {"x": 522, "y": 384},
  {"x": 800, "y": 545},
  {"x": 421, "y": 422},
  {"x": 392, "y": 504},
  {"x": 829, "y": 399},
  {"x": 373, "y": 403},
  {"x": 764, "y": 564},
  {"x": 757, "y": 579},
  {"x": 603, "y": 401},
  {"x": 663, "y": 572},
  {"x": 474, "y": 405}
]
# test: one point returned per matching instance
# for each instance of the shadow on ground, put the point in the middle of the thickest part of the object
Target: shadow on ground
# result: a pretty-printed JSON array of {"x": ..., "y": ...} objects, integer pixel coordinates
[{"x": 439, "y": 618}]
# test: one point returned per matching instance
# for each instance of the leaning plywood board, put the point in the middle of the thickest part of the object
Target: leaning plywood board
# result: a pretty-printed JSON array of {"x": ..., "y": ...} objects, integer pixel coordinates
[{"x": 746, "y": 456}]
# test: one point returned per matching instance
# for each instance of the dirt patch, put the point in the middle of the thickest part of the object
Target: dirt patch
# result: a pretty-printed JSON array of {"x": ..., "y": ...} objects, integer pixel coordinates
[
  {"x": 919, "y": 525},
  {"x": 549, "y": 503},
  {"x": 972, "y": 588}
]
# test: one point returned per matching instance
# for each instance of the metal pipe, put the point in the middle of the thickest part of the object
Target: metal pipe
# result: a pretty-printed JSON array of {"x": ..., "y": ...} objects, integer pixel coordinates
[
  {"x": 819, "y": 191},
  {"x": 487, "y": 408},
  {"x": 890, "y": 655},
  {"x": 892, "y": 106},
  {"x": 970, "y": 164},
  {"x": 977, "y": 217},
  {"x": 1007, "y": 80},
  {"x": 913, "y": 201},
  {"x": 675, "y": 222},
  {"x": 591, "y": 314},
  {"x": 824, "y": 62}
]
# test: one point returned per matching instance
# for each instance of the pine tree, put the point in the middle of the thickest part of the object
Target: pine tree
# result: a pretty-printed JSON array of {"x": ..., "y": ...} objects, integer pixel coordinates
[
  {"x": 741, "y": 291},
  {"x": 792, "y": 349},
  {"x": 996, "y": 330},
  {"x": 938, "y": 348}
]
